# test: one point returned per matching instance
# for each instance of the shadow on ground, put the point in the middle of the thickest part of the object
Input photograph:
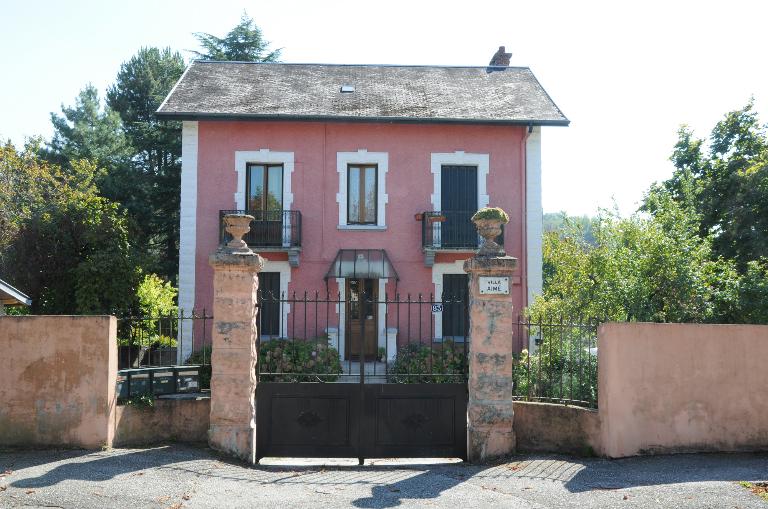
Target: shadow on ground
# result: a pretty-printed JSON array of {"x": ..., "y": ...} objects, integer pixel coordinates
[{"x": 391, "y": 484}]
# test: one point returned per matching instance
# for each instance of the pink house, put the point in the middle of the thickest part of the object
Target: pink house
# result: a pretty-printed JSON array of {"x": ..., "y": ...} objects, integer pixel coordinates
[{"x": 360, "y": 177}]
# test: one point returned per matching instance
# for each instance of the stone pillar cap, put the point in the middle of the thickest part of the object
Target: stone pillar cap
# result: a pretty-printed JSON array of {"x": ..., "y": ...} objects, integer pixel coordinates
[
  {"x": 236, "y": 260},
  {"x": 491, "y": 264}
]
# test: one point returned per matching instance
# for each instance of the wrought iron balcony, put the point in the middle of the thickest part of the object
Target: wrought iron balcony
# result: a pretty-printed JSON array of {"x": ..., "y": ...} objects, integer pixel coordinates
[
  {"x": 274, "y": 229},
  {"x": 450, "y": 230}
]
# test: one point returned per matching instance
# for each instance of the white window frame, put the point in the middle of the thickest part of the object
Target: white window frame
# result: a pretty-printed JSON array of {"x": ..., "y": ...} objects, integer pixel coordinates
[
  {"x": 362, "y": 156},
  {"x": 438, "y": 271},
  {"x": 460, "y": 158},
  {"x": 265, "y": 156},
  {"x": 284, "y": 268}
]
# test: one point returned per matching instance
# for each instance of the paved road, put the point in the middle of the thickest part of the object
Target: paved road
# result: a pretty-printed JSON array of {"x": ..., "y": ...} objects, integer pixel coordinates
[{"x": 182, "y": 476}]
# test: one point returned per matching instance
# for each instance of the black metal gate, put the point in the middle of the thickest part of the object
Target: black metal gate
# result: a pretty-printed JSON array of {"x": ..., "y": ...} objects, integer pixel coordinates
[{"x": 321, "y": 393}]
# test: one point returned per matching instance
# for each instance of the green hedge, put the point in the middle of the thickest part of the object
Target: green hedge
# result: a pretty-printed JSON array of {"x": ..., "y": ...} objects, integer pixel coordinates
[
  {"x": 288, "y": 360},
  {"x": 299, "y": 361},
  {"x": 420, "y": 363}
]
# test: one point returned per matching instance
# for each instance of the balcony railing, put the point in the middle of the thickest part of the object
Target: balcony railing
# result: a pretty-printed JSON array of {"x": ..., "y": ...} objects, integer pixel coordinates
[
  {"x": 450, "y": 230},
  {"x": 270, "y": 228}
]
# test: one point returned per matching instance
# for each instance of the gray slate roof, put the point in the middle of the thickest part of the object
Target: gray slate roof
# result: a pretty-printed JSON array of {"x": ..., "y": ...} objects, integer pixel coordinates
[{"x": 390, "y": 93}]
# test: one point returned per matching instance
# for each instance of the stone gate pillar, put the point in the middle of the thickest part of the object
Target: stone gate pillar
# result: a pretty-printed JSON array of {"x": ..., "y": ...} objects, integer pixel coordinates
[
  {"x": 489, "y": 427},
  {"x": 233, "y": 359}
]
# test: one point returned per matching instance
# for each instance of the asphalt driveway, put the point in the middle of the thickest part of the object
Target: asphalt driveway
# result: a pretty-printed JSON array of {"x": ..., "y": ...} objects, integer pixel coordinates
[{"x": 179, "y": 476}]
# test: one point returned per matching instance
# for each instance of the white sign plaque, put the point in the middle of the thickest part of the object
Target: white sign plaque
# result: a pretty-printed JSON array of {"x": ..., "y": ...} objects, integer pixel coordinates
[{"x": 494, "y": 285}]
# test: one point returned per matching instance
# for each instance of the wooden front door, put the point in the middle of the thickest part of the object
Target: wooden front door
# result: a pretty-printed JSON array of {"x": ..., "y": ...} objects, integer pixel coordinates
[{"x": 361, "y": 326}]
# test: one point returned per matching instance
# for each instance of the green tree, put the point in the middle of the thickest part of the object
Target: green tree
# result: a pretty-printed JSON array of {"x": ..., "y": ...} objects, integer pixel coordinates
[
  {"x": 638, "y": 269},
  {"x": 89, "y": 131},
  {"x": 725, "y": 183},
  {"x": 68, "y": 247},
  {"x": 142, "y": 84},
  {"x": 244, "y": 43}
]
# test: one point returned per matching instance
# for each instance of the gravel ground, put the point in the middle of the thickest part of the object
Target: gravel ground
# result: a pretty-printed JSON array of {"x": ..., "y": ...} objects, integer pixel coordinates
[{"x": 179, "y": 476}]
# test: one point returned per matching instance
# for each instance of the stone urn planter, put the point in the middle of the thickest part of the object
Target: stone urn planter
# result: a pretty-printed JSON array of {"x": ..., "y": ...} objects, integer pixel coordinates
[
  {"x": 488, "y": 222},
  {"x": 237, "y": 225}
]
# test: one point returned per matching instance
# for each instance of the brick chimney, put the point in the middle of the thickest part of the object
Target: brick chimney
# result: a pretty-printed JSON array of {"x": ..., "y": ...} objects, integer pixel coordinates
[{"x": 500, "y": 58}]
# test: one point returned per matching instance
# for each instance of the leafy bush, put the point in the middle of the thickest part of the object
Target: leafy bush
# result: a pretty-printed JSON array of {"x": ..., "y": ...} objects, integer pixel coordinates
[
  {"x": 418, "y": 363},
  {"x": 562, "y": 368},
  {"x": 157, "y": 316},
  {"x": 156, "y": 297},
  {"x": 292, "y": 360},
  {"x": 494, "y": 213}
]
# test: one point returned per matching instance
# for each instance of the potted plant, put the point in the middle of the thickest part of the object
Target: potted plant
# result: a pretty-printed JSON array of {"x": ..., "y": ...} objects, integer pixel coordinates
[
  {"x": 236, "y": 226},
  {"x": 488, "y": 222}
]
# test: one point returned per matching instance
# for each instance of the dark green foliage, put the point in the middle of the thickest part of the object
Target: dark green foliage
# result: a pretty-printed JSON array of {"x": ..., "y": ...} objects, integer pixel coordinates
[
  {"x": 139, "y": 165},
  {"x": 88, "y": 131},
  {"x": 420, "y": 363},
  {"x": 67, "y": 247},
  {"x": 292, "y": 358},
  {"x": 724, "y": 184},
  {"x": 244, "y": 43},
  {"x": 152, "y": 198}
]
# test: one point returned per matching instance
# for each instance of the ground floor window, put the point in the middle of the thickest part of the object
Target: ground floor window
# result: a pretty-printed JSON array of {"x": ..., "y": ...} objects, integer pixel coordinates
[
  {"x": 455, "y": 308},
  {"x": 269, "y": 303}
]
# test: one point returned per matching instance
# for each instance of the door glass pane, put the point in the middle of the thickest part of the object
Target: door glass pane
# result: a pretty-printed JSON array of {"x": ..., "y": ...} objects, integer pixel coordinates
[
  {"x": 354, "y": 299},
  {"x": 369, "y": 298},
  {"x": 370, "y": 195},
  {"x": 255, "y": 187},
  {"x": 353, "y": 195},
  {"x": 275, "y": 184}
]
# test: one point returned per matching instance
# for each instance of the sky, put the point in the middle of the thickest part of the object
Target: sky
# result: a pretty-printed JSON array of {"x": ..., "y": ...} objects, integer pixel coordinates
[{"x": 626, "y": 73}]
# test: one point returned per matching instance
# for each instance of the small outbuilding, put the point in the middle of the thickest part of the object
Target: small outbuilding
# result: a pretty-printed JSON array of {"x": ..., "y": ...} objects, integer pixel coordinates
[{"x": 10, "y": 296}]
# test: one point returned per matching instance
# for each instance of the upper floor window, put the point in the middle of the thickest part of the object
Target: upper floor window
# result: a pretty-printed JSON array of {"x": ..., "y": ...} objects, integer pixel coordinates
[
  {"x": 362, "y": 194},
  {"x": 264, "y": 187}
]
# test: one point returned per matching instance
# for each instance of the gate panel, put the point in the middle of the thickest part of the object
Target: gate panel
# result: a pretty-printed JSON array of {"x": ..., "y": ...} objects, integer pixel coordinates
[
  {"x": 407, "y": 403},
  {"x": 313, "y": 420},
  {"x": 415, "y": 420}
]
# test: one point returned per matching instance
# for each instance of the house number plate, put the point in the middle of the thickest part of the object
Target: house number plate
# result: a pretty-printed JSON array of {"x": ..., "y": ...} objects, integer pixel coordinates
[
  {"x": 494, "y": 285},
  {"x": 437, "y": 308}
]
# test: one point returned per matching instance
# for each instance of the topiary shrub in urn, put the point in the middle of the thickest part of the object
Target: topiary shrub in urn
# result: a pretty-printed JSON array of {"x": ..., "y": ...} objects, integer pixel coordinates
[{"x": 488, "y": 222}]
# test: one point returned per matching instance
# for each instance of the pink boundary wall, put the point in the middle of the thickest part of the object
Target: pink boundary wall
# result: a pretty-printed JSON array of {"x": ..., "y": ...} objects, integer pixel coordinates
[
  {"x": 57, "y": 380},
  {"x": 682, "y": 388},
  {"x": 315, "y": 182}
]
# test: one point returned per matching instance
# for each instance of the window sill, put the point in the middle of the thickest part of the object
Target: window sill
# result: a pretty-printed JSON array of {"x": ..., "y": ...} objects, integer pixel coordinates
[{"x": 371, "y": 227}]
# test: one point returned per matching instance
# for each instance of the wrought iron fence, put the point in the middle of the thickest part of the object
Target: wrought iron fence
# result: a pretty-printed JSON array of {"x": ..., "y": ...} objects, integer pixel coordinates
[
  {"x": 557, "y": 361},
  {"x": 163, "y": 354},
  {"x": 269, "y": 228},
  {"x": 451, "y": 230},
  {"x": 324, "y": 337}
]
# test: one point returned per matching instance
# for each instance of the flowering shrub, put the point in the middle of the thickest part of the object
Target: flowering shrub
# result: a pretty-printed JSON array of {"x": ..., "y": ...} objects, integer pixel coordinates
[
  {"x": 420, "y": 363},
  {"x": 283, "y": 360}
]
